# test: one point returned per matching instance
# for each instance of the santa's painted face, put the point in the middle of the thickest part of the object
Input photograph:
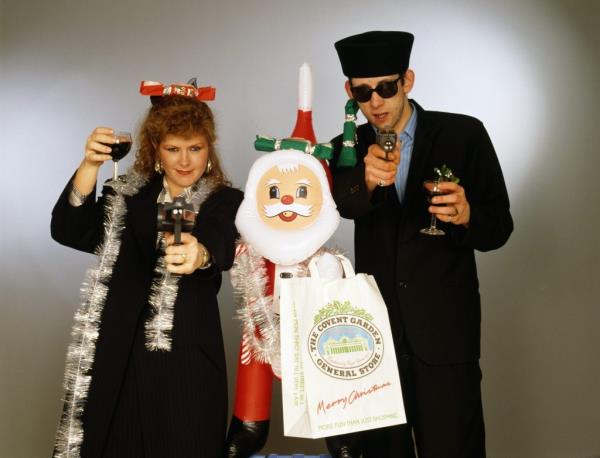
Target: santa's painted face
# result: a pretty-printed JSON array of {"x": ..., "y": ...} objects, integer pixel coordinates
[
  {"x": 288, "y": 212},
  {"x": 289, "y": 197}
]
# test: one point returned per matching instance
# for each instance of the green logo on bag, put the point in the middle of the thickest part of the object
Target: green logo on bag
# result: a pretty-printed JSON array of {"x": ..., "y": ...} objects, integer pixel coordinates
[{"x": 344, "y": 343}]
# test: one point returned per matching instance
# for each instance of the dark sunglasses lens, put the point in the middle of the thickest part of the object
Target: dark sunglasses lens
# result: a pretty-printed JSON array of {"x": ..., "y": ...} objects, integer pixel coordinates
[
  {"x": 362, "y": 93},
  {"x": 387, "y": 89}
]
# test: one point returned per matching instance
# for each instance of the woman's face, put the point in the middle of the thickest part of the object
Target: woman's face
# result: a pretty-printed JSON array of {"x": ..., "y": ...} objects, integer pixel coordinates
[{"x": 183, "y": 160}]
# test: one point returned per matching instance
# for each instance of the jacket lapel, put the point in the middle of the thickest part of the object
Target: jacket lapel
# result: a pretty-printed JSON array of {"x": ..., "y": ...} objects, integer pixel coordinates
[{"x": 421, "y": 157}]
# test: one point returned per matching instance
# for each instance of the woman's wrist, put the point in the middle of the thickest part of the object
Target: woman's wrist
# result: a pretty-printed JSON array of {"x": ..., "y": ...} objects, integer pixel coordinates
[
  {"x": 88, "y": 166},
  {"x": 86, "y": 177},
  {"x": 203, "y": 260}
]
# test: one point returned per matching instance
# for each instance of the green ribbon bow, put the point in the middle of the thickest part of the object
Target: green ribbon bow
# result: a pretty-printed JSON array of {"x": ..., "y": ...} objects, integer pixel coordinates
[{"x": 270, "y": 144}]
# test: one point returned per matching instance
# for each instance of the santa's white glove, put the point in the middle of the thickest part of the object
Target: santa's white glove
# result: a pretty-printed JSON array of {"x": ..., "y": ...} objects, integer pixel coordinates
[{"x": 329, "y": 267}]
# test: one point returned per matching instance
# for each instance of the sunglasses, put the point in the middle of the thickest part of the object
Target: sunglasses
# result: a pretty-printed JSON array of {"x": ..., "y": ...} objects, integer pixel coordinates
[{"x": 385, "y": 89}]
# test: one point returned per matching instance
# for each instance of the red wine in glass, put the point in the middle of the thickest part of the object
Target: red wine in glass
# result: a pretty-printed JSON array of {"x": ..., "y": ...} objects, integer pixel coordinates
[
  {"x": 119, "y": 149},
  {"x": 432, "y": 189}
]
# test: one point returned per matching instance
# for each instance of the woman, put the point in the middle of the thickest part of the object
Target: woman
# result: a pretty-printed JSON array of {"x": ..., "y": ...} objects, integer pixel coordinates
[{"x": 146, "y": 373}]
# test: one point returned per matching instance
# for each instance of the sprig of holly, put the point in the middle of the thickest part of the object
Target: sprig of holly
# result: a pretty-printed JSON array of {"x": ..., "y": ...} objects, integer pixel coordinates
[
  {"x": 339, "y": 308},
  {"x": 444, "y": 173}
]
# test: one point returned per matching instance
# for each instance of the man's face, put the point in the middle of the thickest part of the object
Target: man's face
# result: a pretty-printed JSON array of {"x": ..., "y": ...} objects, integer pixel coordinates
[
  {"x": 289, "y": 199},
  {"x": 390, "y": 113}
]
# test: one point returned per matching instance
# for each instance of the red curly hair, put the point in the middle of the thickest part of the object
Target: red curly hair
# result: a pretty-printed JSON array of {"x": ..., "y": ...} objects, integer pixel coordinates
[{"x": 177, "y": 115}]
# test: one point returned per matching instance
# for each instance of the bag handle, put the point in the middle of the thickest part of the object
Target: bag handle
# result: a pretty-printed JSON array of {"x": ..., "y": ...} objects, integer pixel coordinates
[{"x": 346, "y": 265}]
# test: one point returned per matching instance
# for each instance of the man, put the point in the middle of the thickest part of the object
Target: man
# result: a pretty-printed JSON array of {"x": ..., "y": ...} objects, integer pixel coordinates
[{"x": 429, "y": 282}]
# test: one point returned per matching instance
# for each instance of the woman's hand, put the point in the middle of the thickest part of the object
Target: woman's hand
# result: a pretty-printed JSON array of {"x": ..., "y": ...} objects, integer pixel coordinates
[
  {"x": 95, "y": 155},
  {"x": 95, "y": 152},
  {"x": 187, "y": 257}
]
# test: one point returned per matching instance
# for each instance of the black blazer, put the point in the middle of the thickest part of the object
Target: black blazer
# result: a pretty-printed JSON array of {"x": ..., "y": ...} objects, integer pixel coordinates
[
  {"x": 182, "y": 393},
  {"x": 429, "y": 283}
]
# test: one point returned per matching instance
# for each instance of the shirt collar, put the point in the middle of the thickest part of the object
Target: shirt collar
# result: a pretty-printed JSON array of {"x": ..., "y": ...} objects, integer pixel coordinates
[
  {"x": 165, "y": 195},
  {"x": 411, "y": 125}
]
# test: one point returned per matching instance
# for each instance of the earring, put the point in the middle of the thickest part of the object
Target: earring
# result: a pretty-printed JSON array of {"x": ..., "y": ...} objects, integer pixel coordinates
[
  {"x": 158, "y": 167},
  {"x": 208, "y": 167}
]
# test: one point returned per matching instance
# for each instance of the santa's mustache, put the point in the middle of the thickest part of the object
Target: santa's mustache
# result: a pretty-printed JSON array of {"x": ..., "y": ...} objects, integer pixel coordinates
[{"x": 275, "y": 209}]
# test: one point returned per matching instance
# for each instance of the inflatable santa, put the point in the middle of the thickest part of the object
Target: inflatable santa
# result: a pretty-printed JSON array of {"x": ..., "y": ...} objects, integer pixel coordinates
[{"x": 286, "y": 216}]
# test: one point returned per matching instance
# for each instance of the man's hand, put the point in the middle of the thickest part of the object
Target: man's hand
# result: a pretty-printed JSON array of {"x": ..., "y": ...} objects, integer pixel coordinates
[
  {"x": 378, "y": 171},
  {"x": 452, "y": 206}
]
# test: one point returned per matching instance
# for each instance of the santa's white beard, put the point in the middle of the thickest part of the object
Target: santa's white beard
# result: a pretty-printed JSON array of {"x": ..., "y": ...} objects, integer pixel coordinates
[{"x": 280, "y": 246}]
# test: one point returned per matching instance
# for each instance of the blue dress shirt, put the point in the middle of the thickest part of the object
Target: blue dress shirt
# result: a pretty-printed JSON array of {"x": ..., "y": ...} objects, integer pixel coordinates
[{"x": 407, "y": 138}]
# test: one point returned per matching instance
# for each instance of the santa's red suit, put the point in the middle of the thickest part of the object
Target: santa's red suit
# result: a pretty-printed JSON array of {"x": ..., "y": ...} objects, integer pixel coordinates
[{"x": 287, "y": 215}]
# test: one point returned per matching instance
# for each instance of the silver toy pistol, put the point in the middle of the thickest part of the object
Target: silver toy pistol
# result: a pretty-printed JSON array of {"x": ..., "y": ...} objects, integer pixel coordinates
[{"x": 386, "y": 139}]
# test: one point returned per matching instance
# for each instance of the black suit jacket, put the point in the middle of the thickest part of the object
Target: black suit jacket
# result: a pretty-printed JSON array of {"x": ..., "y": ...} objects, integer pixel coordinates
[
  {"x": 429, "y": 283},
  {"x": 182, "y": 393}
]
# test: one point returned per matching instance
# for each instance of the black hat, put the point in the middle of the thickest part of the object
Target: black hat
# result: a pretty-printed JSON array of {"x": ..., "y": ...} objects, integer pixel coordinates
[{"x": 375, "y": 53}]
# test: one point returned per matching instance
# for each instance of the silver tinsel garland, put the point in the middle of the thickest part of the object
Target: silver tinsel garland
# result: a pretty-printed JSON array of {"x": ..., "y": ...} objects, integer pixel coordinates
[
  {"x": 165, "y": 286},
  {"x": 81, "y": 351},
  {"x": 260, "y": 325}
]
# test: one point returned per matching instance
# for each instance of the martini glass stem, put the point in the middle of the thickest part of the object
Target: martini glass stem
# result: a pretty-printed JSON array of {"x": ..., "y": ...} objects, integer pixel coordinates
[{"x": 433, "y": 224}]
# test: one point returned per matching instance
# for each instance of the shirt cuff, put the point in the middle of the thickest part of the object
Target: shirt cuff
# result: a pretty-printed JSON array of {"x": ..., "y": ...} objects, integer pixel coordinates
[{"x": 76, "y": 198}]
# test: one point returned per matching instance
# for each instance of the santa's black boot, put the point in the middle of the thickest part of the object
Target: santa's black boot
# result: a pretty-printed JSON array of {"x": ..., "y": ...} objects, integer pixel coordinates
[{"x": 245, "y": 438}]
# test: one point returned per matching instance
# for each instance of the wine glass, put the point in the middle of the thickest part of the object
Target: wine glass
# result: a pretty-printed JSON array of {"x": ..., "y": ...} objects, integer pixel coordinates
[
  {"x": 119, "y": 149},
  {"x": 432, "y": 189}
]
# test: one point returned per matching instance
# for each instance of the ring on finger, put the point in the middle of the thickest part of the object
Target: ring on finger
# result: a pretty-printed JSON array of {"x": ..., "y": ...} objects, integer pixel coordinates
[
  {"x": 183, "y": 257},
  {"x": 381, "y": 183}
]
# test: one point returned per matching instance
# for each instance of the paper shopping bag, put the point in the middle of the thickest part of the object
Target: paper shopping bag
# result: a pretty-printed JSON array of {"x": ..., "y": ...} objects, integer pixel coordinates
[{"x": 339, "y": 369}]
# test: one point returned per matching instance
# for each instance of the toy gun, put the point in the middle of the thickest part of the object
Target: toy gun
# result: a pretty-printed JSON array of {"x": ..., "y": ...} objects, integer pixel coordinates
[
  {"x": 176, "y": 217},
  {"x": 386, "y": 138}
]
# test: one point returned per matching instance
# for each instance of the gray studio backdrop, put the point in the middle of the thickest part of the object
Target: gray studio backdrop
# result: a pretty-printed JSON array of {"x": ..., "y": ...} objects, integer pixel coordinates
[{"x": 529, "y": 70}]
